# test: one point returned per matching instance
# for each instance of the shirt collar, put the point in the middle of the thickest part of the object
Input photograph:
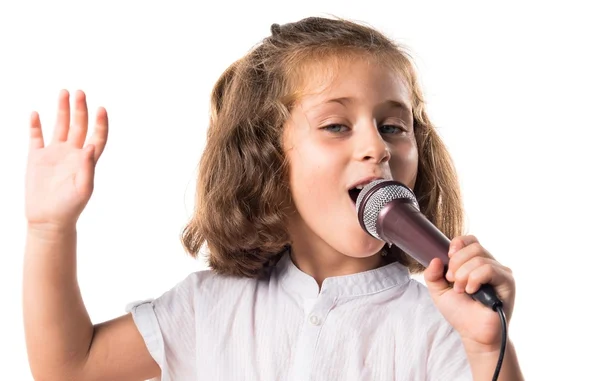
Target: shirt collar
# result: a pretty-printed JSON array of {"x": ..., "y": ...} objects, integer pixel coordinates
[{"x": 367, "y": 282}]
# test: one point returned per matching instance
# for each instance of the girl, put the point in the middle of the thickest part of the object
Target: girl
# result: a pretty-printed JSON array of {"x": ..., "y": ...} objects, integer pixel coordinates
[{"x": 296, "y": 290}]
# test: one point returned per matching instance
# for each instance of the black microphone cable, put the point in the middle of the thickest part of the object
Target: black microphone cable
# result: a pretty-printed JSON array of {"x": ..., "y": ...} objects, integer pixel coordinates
[
  {"x": 500, "y": 311},
  {"x": 487, "y": 296}
]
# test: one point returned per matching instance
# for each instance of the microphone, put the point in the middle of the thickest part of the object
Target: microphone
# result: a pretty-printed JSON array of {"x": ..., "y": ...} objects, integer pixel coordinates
[{"x": 389, "y": 211}]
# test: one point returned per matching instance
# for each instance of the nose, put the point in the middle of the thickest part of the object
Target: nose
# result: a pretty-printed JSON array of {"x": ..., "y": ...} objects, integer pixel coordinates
[{"x": 370, "y": 145}]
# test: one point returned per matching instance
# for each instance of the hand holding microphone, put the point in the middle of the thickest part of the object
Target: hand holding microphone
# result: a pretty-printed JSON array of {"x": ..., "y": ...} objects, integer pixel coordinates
[{"x": 389, "y": 211}]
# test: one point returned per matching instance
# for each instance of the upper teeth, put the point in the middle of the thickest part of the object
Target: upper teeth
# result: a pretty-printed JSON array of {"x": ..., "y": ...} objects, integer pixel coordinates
[{"x": 359, "y": 186}]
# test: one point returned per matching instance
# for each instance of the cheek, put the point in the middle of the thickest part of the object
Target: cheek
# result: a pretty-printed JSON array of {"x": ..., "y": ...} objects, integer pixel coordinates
[
  {"x": 405, "y": 163},
  {"x": 315, "y": 163},
  {"x": 309, "y": 177}
]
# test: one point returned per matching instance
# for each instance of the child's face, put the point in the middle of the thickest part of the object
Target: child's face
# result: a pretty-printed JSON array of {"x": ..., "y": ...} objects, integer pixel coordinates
[{"x": 350, "y": 127}]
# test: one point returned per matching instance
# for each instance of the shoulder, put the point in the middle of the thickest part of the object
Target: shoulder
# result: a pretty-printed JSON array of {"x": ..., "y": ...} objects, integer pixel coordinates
[
  {"x": 202, "y": 287},
  {"x": 199, "y": 302},
  {"x": 209, "y": 282}
]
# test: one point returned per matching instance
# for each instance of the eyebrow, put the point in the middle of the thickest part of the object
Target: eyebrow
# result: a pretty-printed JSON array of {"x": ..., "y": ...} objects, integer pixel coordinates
[{"x": 390, "y": 102}]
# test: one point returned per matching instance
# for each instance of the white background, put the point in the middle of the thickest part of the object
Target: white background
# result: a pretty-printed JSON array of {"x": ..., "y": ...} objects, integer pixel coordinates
[{"x": 513, "y": 89}]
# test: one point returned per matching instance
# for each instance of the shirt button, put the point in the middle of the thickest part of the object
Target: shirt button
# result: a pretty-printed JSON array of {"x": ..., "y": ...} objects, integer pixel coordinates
[{"x": 314, "y": 320}]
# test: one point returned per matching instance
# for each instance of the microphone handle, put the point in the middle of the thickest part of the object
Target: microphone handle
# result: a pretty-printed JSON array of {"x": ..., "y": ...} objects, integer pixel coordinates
[{"x": 399, "y": 222}]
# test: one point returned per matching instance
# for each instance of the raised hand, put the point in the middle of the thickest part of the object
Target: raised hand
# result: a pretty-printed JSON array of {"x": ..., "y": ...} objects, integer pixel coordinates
[{"x": 60, "y": 175}]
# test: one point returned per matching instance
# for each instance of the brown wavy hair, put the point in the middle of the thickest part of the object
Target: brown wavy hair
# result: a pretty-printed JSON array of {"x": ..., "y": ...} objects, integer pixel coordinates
[{"x": 243, "y": 195}]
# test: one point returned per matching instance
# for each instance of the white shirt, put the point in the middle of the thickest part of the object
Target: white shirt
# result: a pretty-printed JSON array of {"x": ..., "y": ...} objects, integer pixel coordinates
[{"x": 378, "y": 325}]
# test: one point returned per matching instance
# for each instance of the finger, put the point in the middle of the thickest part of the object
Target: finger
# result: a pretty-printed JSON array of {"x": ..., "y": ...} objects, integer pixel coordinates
[
  {"x": 461, "y": 241},
  {"x": 463, "y": 255},
  {"x": 434, "y": 277},
  {"x": 78, "y": 131},
  {"x": 36, "y": 137},
  {"x": 463, "y": 273},
  {"x": 100, "y": 133},
  {"x": 61, "y": 129},
  {"x": 486, "y": 274}
]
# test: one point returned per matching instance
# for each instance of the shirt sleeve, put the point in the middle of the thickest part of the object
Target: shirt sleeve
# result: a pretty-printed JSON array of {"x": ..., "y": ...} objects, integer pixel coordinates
[
  {"x": 447, "y": 360},
  {"x": 167, "y": 325}
]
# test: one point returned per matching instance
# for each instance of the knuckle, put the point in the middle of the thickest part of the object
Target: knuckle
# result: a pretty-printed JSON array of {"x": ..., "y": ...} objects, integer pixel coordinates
[
  {"x": 489, "y": 268},
  {"x": 477, "y": 247},
  {"x": 461, "y": 275},
  {"x": 453, "y": 264},
  {"x": 479, "y": 261}
]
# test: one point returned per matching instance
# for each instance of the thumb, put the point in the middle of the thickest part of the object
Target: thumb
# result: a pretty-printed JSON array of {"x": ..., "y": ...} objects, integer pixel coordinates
[{"x": 435, "y": 279}]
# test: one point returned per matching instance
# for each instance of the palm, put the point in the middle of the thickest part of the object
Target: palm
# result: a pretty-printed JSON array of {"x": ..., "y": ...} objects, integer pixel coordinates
[
  {"x": 59, "y": 180},
  {"x": 54, "y": 177},
  {"x": 470, "y": 318},
  {"x": 469, "y": 267}
]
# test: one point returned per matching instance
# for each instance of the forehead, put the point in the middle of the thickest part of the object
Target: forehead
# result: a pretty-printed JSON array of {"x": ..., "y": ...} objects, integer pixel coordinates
[{"x": 361, "y": 79}]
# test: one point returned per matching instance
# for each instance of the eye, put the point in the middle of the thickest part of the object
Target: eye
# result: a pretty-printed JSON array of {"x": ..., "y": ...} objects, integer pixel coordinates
[
  {"x": 335, "y": 128},
  {"x": 391, "y": 129}
]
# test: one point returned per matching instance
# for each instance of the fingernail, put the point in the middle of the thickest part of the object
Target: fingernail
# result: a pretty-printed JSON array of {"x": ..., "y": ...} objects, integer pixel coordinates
[{"x": 450, "y": 275}]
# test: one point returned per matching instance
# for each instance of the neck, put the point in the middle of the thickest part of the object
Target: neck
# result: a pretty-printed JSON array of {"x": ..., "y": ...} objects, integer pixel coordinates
[{"x": 323, "y": 264}]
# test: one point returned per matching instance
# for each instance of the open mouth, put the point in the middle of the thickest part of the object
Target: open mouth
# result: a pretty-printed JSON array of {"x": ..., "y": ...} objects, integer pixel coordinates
[
  {"x": 357, "y": 187},
  {"x": 353, "y": 193}
]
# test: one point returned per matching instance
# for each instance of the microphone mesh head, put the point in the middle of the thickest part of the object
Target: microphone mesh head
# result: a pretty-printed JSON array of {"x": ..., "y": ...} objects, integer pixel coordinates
[{"x": 376, "y": 200}]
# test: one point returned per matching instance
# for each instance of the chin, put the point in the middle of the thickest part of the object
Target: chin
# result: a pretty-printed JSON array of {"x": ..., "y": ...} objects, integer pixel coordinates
[
  {"x": 362, "y": 246},
  {"x": 359, "y": 243}
]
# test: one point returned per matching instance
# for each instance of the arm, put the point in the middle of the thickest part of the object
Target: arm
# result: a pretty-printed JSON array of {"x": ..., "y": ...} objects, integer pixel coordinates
[
  {"x": 62, "y": 343},
  {"x": 483, "y": 365}
]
